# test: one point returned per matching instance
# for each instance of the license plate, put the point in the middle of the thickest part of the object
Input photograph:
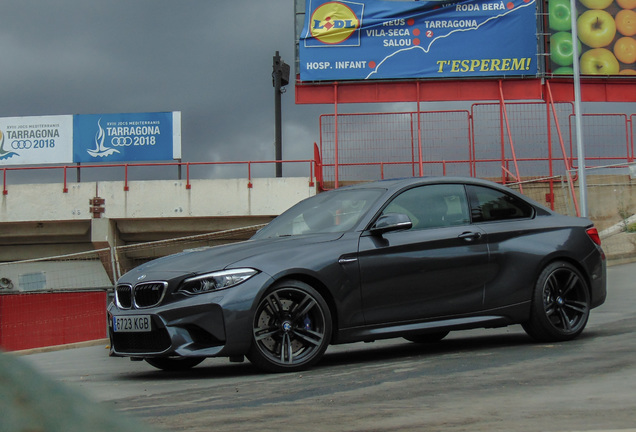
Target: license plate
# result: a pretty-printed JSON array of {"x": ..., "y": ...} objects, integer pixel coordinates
[{"x": 132, "y": 323}]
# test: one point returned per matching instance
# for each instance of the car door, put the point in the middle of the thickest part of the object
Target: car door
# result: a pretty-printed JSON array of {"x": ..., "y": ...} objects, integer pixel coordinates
[
  {"x": 517, "y": 243},
  {"x": 436, "y": 268}
]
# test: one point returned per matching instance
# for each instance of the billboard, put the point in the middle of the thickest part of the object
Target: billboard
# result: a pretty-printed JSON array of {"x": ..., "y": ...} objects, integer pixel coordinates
[
  {"x": 606, "y": 37},
  {"x": 127, "y": 137},
  {"x": 376, "y": 39},
  {"x": 36, "y": 140},
  {"x": 90, "y": 138}
]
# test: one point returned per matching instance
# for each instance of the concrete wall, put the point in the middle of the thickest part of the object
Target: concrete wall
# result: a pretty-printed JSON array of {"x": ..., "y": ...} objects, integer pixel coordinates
[
  {"x": 611, "y": 198},
  {"x": 38, "y": 220},
  {"x": 153, "y": 199},
  {"x": 41, "y": 220},
  {"x": 611, "y": 204}
]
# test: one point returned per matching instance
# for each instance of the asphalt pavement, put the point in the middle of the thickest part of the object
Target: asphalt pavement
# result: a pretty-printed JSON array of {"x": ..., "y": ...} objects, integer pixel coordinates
[{"x": 477, "y": 380}]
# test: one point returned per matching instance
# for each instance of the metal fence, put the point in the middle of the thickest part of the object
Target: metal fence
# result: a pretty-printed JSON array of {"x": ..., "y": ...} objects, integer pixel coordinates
[
  {"x": 508, "y": 142},
  {"x": 383, "y": 145}
]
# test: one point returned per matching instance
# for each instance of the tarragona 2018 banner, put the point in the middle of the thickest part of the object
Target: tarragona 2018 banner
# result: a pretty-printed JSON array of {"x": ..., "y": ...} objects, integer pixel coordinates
[
  {"x": 90, "y": 138},
  {"x": 127, "y": 137},
  {"x": 373, "y": 39}
]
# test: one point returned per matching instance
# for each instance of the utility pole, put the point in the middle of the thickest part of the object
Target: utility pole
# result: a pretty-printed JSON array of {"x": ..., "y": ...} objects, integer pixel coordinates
[
  {"x": 578, "y": 117},
  {"x": 280, "y": 78}
]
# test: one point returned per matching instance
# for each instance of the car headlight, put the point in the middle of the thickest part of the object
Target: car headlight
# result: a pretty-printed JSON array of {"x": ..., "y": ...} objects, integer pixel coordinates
[{"x": 216, "y": 280}]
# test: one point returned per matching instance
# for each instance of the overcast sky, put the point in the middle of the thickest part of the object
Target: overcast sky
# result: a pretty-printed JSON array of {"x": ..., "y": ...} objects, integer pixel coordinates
[{"x": 209, "y": 59}]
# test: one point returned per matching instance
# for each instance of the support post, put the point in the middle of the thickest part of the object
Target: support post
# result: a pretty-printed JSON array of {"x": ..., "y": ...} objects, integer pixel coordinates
[
  {"x": 335, "y": 108},
  {"x": 419, "y": 133},
  {"x": 580, "y": 149},
  {"x": 280, "y": 78}
]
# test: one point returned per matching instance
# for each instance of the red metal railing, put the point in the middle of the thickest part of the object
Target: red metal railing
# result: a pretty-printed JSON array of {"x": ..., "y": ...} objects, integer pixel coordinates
[
  {"x": 511, "y": 142},
  {"x": 248, "y": 165}
]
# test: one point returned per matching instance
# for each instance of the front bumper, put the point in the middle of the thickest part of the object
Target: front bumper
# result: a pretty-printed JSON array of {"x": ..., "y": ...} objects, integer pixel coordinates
[{"x": 205, "y": 325}]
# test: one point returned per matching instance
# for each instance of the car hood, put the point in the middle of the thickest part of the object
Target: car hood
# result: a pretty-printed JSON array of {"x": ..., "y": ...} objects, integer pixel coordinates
[{"x": 206, "y": 259}]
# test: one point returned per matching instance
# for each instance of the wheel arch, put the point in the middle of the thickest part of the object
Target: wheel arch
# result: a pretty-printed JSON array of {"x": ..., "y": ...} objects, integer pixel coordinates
[
  {"x": 575, "y": 263},
  {"x": 275, "y": 356},
  {"x": 548, "y": 320},
  {"x": 322, "y": 289}
]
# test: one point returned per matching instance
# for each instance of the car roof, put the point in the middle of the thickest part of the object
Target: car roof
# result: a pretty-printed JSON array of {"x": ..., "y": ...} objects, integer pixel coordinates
[
  {"x": 399, "y": 183},
  {"x": 393, "y": 185}
]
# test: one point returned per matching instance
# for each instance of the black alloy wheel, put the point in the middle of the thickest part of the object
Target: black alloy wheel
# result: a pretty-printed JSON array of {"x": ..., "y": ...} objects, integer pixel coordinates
[
  {"x": 291, "y": 328},
  {"x": 560, "y": 304}
]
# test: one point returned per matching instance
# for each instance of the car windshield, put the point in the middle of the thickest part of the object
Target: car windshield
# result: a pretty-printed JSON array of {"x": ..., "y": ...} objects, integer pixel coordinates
[{"x": 333, "y": 211}]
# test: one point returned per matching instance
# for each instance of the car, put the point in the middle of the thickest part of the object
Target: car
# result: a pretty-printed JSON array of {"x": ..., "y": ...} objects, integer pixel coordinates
[{"x": 415, "y": 258}]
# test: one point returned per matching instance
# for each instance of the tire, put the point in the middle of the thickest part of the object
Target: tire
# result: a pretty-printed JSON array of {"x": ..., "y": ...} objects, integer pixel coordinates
[
  {"x": 291, "y": 328},
  {"x": 427, "y": 337},
  {"x": 173, "y": 364},
  {"x": 560, "y": 304}
]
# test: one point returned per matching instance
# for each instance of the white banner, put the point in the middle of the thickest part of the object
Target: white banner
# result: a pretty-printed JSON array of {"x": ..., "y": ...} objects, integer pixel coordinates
[{"x": 36, "y": 140}]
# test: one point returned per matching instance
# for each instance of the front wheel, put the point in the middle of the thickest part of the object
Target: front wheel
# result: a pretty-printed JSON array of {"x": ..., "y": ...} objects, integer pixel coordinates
[
  {"x": 173, "y": 364},
  {"x": 560, "y": 304},
  {"x": 291, "y": 328}
]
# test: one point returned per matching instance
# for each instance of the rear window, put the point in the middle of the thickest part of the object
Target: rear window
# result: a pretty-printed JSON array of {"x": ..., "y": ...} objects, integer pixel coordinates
[{"x": 488, "y": 204}]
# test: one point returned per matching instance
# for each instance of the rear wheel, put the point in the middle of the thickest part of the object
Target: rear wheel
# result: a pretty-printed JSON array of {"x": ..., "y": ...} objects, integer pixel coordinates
[
  {"x": 560, "y": 304},
  {"x": 291, "y": 328},
  {"x": 174, "y": 363}
]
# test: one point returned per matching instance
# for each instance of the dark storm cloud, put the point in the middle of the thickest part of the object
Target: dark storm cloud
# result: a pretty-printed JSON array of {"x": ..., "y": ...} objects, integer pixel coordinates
[{"x": 211, "y": 60}]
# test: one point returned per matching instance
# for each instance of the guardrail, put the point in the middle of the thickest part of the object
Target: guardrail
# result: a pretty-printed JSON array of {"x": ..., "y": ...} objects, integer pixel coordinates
[{"x": 247, "y": 165}]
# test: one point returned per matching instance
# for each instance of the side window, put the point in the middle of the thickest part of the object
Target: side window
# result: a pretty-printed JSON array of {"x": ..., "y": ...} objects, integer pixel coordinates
[
  {"x": 432, "y": 206},
  {"x": 492, "y": 205}
]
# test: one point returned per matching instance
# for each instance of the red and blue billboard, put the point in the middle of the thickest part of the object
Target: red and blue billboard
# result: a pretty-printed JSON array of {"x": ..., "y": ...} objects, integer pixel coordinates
[{"x": 374, "y": 39}]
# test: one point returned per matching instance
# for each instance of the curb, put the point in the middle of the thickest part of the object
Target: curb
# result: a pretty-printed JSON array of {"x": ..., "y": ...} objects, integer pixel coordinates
[{"x": 96, "y": 342}]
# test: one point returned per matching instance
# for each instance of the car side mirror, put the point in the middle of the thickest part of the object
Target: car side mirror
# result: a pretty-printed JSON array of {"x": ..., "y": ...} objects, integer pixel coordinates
[{"x": 391, "y": 222}]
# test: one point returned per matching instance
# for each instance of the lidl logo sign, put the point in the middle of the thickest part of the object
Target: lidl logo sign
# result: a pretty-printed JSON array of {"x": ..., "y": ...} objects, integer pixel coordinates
[{"x": 335, "y": 23}]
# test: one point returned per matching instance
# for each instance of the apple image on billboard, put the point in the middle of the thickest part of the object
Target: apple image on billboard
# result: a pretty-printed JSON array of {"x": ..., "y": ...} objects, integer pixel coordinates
[
  {"x": 599, "y": 61},
  {"x": 559, "y": 17},
  {"x": 596, "y": 4},
  {"x": 563, "y": 70},
  {"x": 561, "y": 48},
  {"x": 596, "y": 28}
]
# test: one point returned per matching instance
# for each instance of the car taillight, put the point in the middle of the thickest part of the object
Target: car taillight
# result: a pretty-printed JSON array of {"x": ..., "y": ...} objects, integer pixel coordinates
[{"x": 593, "y": 234}]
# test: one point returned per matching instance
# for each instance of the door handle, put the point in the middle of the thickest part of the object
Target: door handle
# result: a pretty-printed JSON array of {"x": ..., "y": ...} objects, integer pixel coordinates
[
  {"x": 470, "y": 236},
  {"x": 347, "y": 259}
]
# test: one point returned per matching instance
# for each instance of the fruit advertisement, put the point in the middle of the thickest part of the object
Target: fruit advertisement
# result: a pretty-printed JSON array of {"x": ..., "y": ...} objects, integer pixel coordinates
[{"x": 606, "y": 37}]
